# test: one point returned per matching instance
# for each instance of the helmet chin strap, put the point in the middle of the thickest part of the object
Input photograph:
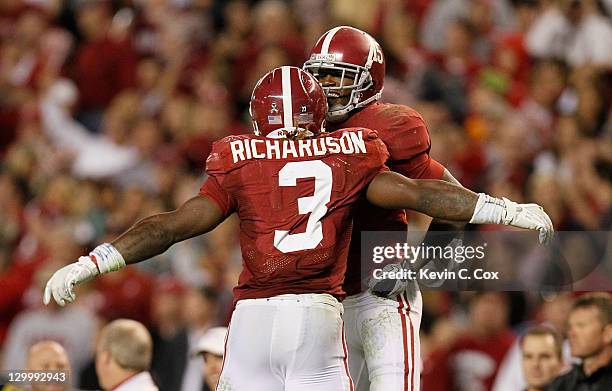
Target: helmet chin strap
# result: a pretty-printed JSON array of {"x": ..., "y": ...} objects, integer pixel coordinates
[
  {"x": 355, "y": 102},
  {"x": 340, "y": 115},
  {"x": 335, "y": 116},
  {"x": 371, "y": 99}
]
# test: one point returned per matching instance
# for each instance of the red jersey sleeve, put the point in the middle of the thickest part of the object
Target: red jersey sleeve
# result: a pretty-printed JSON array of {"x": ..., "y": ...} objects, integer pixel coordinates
[
  {"x": 213, "y": 190},
  {"x": 408, "y": 141},
  {"x": 218, "y": 167},
  {"x": 419, "y": 167},
  {"x": 405, "y": 134},
  {"x": 380, "y": 155}
]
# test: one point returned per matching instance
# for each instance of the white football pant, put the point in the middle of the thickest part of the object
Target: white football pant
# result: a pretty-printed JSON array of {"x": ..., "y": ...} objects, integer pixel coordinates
[
  {"x": 286, "y": 343},
  {"x": 383, "y": 341}
]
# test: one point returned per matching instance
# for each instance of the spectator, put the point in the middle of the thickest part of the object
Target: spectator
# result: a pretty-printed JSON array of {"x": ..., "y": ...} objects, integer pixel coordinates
[
  {"x": 169, "y": 343},
  {"x": 553, "y": 312},
  {"x": 590, "y": 336},
  {"x": 125, "y": 295},
  {"x": 199, "y": 311},
  {"x": 444, "y": 12},
  {"x": 547, "y": 81},
  {"x": 49, "y": 356},
  {"x": 104, "y": 64},
  {"x": 72, "y": 327},
  {"x": 542, "y": 350},
  {"x": 455, "y": 69},
  {"x": 87, "y": 149},
  {"x": 576, "y": 31},
  {"x": 212, "y": 347},
  {"x": 123, "y": 357},
  {"x": 471, "y": 362},
  {"x": 591, "y": 40},
  {"x": 546, "y": 36}
]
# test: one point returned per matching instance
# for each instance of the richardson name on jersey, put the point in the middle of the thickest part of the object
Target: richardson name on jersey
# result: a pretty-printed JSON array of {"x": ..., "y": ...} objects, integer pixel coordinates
[{"x": 348, "y": 143}]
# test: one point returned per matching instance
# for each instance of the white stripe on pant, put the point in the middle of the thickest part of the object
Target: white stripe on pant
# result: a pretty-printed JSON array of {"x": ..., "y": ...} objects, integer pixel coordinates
[{"x": 286, "y": 343}]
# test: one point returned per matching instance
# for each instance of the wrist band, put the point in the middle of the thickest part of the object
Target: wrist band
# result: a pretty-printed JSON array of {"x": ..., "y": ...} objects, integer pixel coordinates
[
  {"x": 489, "y": 210},
  {"x": 107, "y": 258}
]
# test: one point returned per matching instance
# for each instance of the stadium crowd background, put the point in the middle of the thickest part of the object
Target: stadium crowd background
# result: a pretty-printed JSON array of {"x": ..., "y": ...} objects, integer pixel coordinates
[{"x": 108, "y": 110}]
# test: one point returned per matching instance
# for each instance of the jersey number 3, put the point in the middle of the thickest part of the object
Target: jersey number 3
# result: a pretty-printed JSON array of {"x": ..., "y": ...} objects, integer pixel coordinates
[{"x": 315, "y": 204}]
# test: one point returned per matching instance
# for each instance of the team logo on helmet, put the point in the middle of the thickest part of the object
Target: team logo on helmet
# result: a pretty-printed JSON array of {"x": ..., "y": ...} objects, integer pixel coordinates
[{"x": 274, "y": 108}]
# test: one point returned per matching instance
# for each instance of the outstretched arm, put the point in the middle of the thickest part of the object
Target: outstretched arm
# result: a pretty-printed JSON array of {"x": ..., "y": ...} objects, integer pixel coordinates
[
  {"x": 435, "y": 198},
  {"x": 148, "y": 237},
  {"x": 421, "y": 224},
  {"x": 446, "y": 224},
  {"x": 448, "y": 201},
  {"x": 444, "y": 200},
  {"x": 155, "y": 234}
]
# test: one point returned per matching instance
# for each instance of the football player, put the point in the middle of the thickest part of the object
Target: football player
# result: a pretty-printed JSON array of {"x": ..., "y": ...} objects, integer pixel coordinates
[
  {"x": 350, "y": 65},
  {"x": 292, "y": 186}
]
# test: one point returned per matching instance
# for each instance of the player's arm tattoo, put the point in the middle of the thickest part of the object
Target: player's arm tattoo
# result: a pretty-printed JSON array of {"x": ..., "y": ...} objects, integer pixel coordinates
[
  {"x": 448, "y": 225},
  {"x": 435, "y": 198},
  {"x": 155, "y": 234}
]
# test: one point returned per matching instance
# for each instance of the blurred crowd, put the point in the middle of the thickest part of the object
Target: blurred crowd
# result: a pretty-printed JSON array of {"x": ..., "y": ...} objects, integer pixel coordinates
[{"x": 108, "y": 110}]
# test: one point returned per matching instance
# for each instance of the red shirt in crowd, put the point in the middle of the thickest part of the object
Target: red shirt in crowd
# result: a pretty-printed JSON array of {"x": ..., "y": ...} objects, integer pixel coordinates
[
  {"x": 470, "y": 364},
  {"x": 102, "y": 69},
  {"x": 124, "y": 295}
]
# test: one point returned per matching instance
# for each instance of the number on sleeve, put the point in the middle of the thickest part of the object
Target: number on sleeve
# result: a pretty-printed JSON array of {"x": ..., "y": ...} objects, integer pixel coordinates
[{"x": 315, "y": 204}]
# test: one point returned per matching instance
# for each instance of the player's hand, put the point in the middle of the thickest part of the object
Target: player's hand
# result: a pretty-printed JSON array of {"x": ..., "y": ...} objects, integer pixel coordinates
[
  {"x": 387, "y": 287},
  {"x": 61, "y": 284},
  {"x": 442, "y": 264},
  {"x": 528, "y": 216}
]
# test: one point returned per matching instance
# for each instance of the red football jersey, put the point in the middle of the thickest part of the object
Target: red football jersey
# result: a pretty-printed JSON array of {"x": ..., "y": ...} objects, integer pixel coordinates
[
  {"x": 294, "y": 200},
  {"x": 405, "y": 134}
]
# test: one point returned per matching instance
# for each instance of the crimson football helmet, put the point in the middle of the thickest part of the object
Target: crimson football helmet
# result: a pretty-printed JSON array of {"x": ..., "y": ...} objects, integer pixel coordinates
[
  {"x": 288, "y": 101},
  {"x": 349, "y": 52}
]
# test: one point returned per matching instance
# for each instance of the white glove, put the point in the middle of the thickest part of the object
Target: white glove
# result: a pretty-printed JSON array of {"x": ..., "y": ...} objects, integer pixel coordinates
[
  {"x": 529, "y": 216},
  {"x": 440, "y": 265},
  {"x": 61, "y": 284},
  {"x": 490, "y": 210},
  {"x": 103, "y": 259},
  {"x": 389, "y": 287}
]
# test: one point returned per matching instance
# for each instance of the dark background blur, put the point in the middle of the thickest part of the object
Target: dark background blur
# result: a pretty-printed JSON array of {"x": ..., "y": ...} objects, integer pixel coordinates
[{"x": 108, "y": 110}]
